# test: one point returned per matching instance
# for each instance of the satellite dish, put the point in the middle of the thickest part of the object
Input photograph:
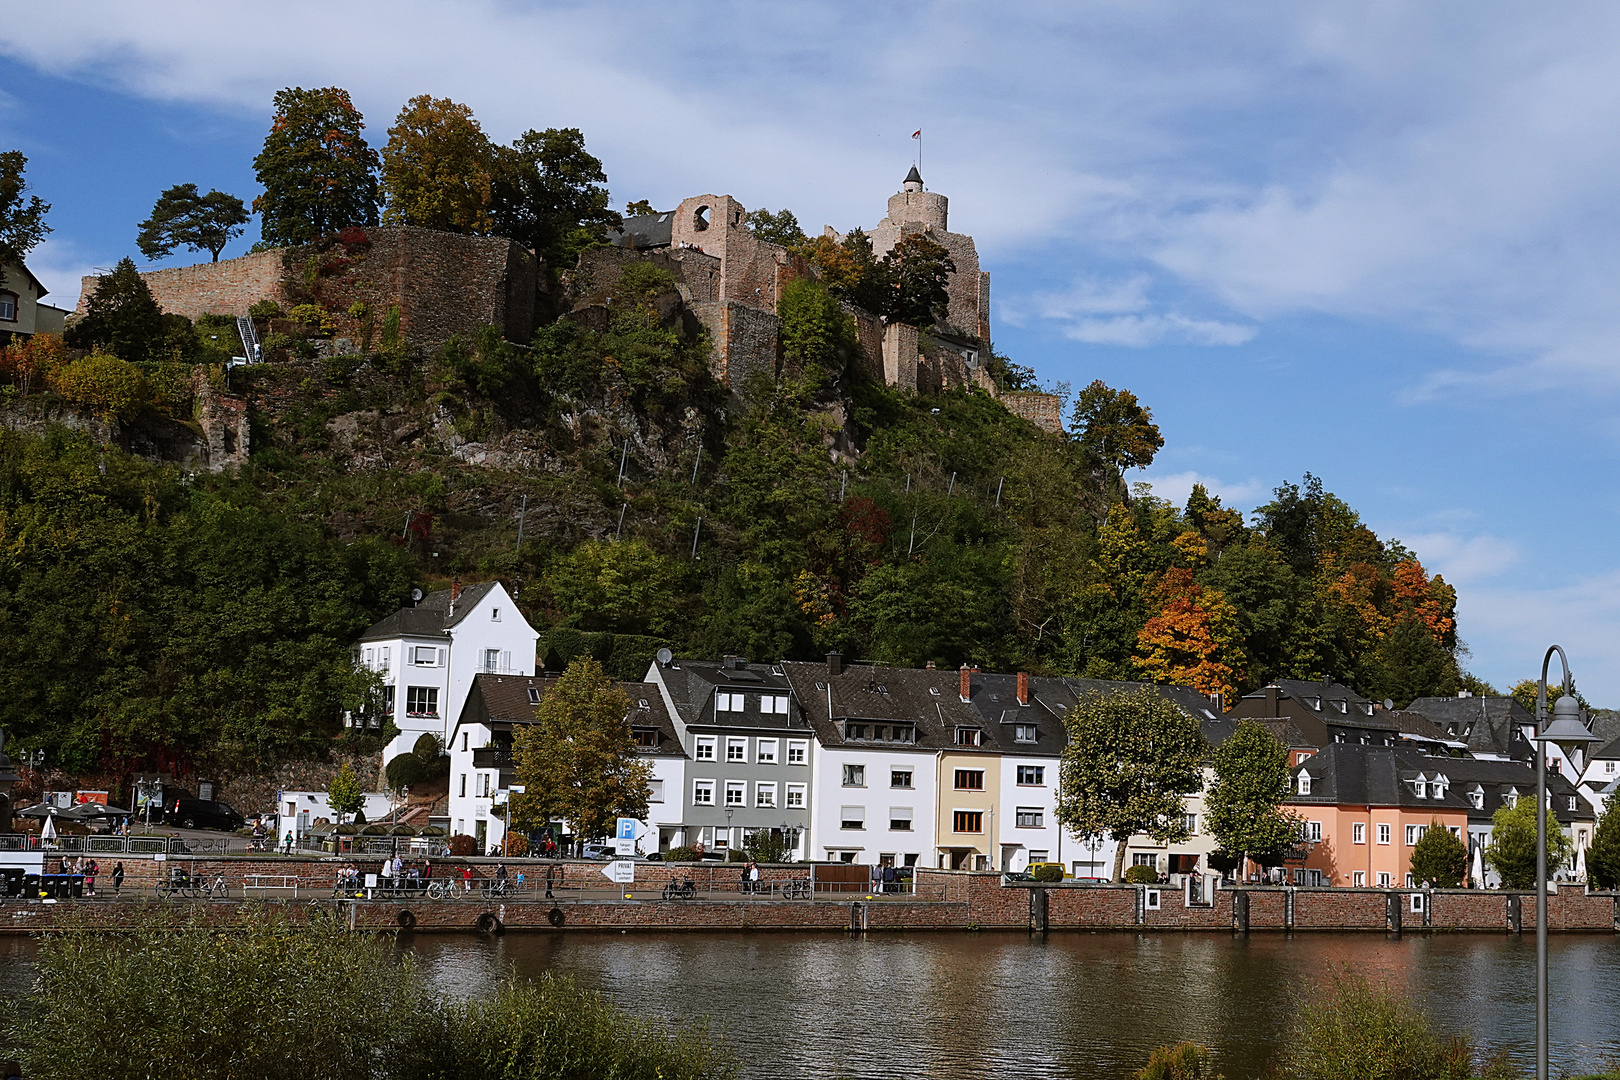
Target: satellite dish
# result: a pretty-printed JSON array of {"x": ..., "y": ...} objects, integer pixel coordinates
[
  {"x": 665, "y": 656},
  {"x": 1389, "y": 705},
  {"x": 416, "y": 596}
]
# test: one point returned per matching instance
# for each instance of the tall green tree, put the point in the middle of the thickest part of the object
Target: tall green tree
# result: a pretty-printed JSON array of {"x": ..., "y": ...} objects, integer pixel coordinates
[
  {"x": 22, "y": 220},
  {"x": 344, "y": 794},
  {"x": 121, "y": 316},
  {"x": 550, "y": 194},
  {"x": 781, "y": 228},
  {"x": 852, "y": 271},
  {"x": 1243, "y": 808},
  {"x": 1131, "y": 757},
  {"x": 437, "y": 168},
  {"x": 815, "y": 331},
  {"x": 182, "y": 217},
  {"x": 318, "y": 172},
  {"x": 1411, "y": 664},
  {"x": 578, "y": 759},
  {"x": 920, "y": 269},
  {"x": 1512, "y": 850},
  {"x": 1603, "y": 854},
  {"x": 1440, "y": 858},
  {"x": 1115, "y": 427}
]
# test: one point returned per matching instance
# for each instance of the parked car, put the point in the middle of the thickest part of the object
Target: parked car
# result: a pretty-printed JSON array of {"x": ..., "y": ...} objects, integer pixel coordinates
[
  {"x": 599, "y": 851},
  {"x": 203, "y": 814}
]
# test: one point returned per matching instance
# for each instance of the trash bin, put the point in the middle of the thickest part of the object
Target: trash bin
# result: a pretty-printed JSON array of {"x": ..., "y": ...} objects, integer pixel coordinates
[
  {"x": 31, "y": 886},
  {"x": 76, "y": 886}
]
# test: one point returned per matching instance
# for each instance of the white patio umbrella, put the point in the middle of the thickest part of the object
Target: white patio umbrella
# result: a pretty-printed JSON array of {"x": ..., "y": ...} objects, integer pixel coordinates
[
  {"x": 1479, "y": 866},
  {"x": 49, "y": 831},
  {"x": 1580, "y": 866}
]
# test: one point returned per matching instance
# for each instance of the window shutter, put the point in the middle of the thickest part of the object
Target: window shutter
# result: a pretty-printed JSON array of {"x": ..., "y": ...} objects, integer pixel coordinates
[
  {"x": 506, "y": 661},
  {"x": 441, "y": 658}
]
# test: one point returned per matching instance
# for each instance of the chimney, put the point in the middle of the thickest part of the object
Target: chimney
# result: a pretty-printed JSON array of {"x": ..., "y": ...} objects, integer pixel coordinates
[
  {"x": 1023, "y": 688},
  {"x": 967, "y": 685},
  {"x": 455, "y": 594},
  {"x": 1271, "y": 701},
  {"x": 730, "y": 661},
  {"x": 835, "y": 665}
]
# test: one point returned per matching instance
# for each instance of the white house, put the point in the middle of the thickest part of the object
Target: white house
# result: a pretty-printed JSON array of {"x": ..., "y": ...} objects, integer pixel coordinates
[
  {"x": 1601, "y": 772},
  {"x": 429, "y": 653},
  {"x": 22, "y": 314},
  {"x": 481, "y": 764},
  {"x": 296, "y": 811}
]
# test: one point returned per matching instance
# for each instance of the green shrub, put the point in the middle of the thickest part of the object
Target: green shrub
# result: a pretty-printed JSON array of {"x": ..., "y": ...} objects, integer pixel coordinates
[
  {"x": 428, "y": 747},
  {"x": 265, "y": 309},
  {"x": 1050, "y": 871},
  {"x": 405, "y": 771},
  {"x": 115, "y": 389},
  {"x": 1184, "y": 1061},
  {"x": 681, "y": 854},
  {"x": 1141, "y": 875},
  {"x": 1357, "y": 1031},
  {"x": 1439, "y": 858},
  {"x": 462, "y": 845}
]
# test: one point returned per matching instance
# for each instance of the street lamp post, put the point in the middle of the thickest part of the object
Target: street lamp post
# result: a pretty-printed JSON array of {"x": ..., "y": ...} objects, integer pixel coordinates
[{"x": 1568, "y": 733}]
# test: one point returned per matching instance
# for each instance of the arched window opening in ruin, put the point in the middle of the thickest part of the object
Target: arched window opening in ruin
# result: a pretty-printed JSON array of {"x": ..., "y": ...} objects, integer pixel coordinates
[
  {"x": 700, "y": 219},
  {"x": 736, "y": 219}
]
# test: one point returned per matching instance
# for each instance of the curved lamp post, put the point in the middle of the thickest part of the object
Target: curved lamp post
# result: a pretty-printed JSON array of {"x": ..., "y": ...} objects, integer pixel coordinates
[{"x": 1568, "y": 733}]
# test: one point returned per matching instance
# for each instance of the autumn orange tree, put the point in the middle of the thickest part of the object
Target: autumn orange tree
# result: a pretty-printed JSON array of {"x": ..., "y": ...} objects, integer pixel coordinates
[
  {"x": 437, "y": 168},
  {"x": 1194, "y": 639}
]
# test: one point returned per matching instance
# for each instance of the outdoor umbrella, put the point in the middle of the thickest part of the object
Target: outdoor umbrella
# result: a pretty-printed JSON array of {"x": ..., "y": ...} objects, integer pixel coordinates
[
  {"x": 1580, "y": 866},
  {"x": 38, "y": 810},
  {"x": 1479, "y": 867},
  {"x": 49, "y": 831}
]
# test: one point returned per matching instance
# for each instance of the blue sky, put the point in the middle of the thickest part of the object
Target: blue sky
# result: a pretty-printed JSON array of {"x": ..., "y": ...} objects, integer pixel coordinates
[{"x": 1376, "y": 242}]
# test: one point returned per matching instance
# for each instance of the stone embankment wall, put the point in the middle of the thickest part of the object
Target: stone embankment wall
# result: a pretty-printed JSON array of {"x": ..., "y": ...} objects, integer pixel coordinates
[{"x": 945, "y": 900}]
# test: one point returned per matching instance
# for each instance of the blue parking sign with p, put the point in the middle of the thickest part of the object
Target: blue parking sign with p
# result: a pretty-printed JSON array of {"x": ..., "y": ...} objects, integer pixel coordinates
[{"x": 627, "y": 828}]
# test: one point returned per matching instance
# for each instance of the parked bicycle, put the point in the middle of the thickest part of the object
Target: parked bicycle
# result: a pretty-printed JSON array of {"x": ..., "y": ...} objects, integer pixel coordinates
[
  {"x": 179, "y": 883},
  {"x": 682, "y": 891},
  {"x": 441, "y": 890},
  {"x": 496, "y": 888},
  {"x": 797, "y": 889}
]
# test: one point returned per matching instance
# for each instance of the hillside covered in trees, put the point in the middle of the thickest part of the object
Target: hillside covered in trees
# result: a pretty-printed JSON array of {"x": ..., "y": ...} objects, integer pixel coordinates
[{"x": 152, "y": 616}]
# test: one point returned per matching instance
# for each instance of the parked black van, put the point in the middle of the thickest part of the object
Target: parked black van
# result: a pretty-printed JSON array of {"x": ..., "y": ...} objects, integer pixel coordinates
[{"x": 203, "y": 814}]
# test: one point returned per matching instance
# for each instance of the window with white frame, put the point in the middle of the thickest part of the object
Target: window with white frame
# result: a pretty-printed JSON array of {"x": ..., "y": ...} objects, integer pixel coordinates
[
  {"x": 969, "y": 779},
  {"x": 8, "y": 307},
  {"x": 425, "y": 656},
  {"x": 655, "y": 791},
  {"x": 1359, "y": 879},
  {"x": 1032, "y": 775},
  {"x": 794, "y": 797},
  {"x": 766, "y": 751},
  {"x": 1413, "y": 832},
  {"x": 495, "y": 614},
  {"x": 1144, "y": 858},
  {"x": 736, "y": 749},
  {"x": 1383, "y": 834},
  {"x": 421, "y": 701},
  {"x": 463, "y": 785},
  {"x": 854, "y": 775},
  {"x": 765, "y": 794},
  {"x": 798, "y": 752},
  {"x": 968, "y": 736},
  {"x": 1029, "y": 817},
  {"x": 483, "y": 785},
  {"x": 900, "y": 778},
  {"x": 1572, "y": 802},
  {"x": 1476, "y": 798},
  {"x": 1304, "y": 782},
  {"x": 703, "y": 793},
  {"x": 492, "y": 660},
  {"x": 1315, "y": 832},
  {"x": 1024, "y": 733},
  {"x": 899, "y": 819},
  {"x": 774, "y": 703},
  {"x": 1383, "y": 880},
  {"x": 736, "y": 793},
  {"x": 704, "y": 750},
  {"x": 1358, "y": 833},
  {"x": 725, "y": 702},
  {"x": 1190, "y": 822},
  {"x": 852, "y": 817}
]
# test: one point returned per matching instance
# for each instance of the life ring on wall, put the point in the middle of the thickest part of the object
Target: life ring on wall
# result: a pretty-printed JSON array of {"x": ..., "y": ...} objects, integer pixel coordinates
[
  {"x": 489, "y": 924},
  {"x": 406, "y": 919},
  {"x": 555, "y": 917}
]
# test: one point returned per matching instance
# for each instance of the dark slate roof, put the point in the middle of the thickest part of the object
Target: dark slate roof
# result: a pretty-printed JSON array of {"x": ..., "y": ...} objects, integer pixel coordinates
[
  {"x": 928, "y": 699},
  {"x": 1415, "y": 727},
  {"x": 1499, "y": 777},
  {"x": 1352, "y": 774},
  {"x": 694, "y": 683},
  {"x": 1605, "y": 724},
  {"x": 913, "y": 177},
  {"x": 647, "y": 231},
  {"x": 508, "y": 701},
  {"x": 1489, "y": 725},
  {"x": 1604, "y": 753},
  {"x": 430, "y": 618}
]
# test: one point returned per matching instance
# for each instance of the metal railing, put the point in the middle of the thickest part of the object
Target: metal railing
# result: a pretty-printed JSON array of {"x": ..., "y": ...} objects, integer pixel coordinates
[{"x": 110, "y": 845}]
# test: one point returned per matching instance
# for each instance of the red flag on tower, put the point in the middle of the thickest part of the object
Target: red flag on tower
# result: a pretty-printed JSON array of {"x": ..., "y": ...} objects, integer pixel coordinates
[{"x": 917, "y": 134}]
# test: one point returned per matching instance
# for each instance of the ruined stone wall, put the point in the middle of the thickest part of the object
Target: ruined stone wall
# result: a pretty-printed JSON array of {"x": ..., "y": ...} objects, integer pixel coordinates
[
  {"x": 869, "y": 335},
  {"x": 1045, "y": 411},
  {"x": 596, "y": 278},
  {"x": 222, "y": 288},
  {"x": 744, "y": 340}
]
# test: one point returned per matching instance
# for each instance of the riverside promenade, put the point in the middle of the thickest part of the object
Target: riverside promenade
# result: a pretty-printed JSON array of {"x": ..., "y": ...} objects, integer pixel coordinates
[{"x": 789, "y": 897}]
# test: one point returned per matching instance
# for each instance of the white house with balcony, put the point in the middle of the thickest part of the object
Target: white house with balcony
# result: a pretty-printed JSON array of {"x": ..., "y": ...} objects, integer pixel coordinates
[{"x": 429, "y": 653}]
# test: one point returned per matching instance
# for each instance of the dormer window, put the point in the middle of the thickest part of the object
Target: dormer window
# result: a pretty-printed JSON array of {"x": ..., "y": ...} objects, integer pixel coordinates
[
  {"x": 1511, "y": 796},
  {"x": 934, "y": 690},
  {"x": 1344, "y": 706},
  {"x": 968, "y": 736},
  {"x": 1304, "y": 782},
  {"x": 1421, "y": 787},
  {"x": 1315, "y": 703},
  {"x": 1367, "y": 707},
  {"x": 1476, "y": 798},
  {"x": 1024, "y": 733}
]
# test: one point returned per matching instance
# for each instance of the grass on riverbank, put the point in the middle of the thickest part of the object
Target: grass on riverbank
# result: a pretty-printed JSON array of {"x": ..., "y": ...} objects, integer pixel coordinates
[{"x": 273, "y": 999}]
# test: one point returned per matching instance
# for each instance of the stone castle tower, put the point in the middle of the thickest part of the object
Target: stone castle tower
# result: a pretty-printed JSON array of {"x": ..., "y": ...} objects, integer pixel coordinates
[{"x": 914, "y": 209}]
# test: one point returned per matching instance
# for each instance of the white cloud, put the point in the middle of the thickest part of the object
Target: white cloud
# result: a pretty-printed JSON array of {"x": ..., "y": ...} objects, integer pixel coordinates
[
  {"x": 59, "y": 265},
  {"x": 1463, "y": 559},
  {"x": 1509, "y": 630},
  {"x": 1141, "y": 330},
  {"x": 1100, "y": 311},
  {"x": 1175, "y": 487}
]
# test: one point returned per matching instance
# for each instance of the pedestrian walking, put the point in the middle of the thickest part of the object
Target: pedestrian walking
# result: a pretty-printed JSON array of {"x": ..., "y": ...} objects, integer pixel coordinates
[
  {"x": 118, "y": 877},
  {"x": 286, "y": 845},
  {"x": 90, "y": 871},
  {"x": 550, "y": 870},
  {"x": 466, "y": 880},
  {"x": 753, "y": 877}
]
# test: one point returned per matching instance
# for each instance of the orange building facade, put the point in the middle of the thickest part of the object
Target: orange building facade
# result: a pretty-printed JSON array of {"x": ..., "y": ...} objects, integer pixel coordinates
[{"x": 1369, "y": 845}]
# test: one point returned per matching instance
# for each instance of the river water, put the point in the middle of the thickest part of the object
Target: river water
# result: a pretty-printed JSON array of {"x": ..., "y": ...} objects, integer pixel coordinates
[{"x": 954, "y": 1005}]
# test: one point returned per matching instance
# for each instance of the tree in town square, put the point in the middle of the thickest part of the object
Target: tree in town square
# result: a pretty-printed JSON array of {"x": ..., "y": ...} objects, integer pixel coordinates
[
  {"x": 318, "y": 172},
  {"x": 182, "y": 217},
  {"x": 1512, "y": 850},
  {"x": 578, "y": 760},
  {"x": 343, "y": 794},
  {"x": 1243, "y": 807},
  {"x": 1440, "y": 858},
  {"x": 1603, "y": 856},
  {"x": 437, "y": 168},
  {"x": 22, "y": 220},
  {"x": 1131, "y": 756}
]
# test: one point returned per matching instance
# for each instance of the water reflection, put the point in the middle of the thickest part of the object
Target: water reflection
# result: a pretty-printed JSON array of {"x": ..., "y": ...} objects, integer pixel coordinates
[
  {"x": 1005, "y": 1005},
  {"x": 1075, "y": 1005}
]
